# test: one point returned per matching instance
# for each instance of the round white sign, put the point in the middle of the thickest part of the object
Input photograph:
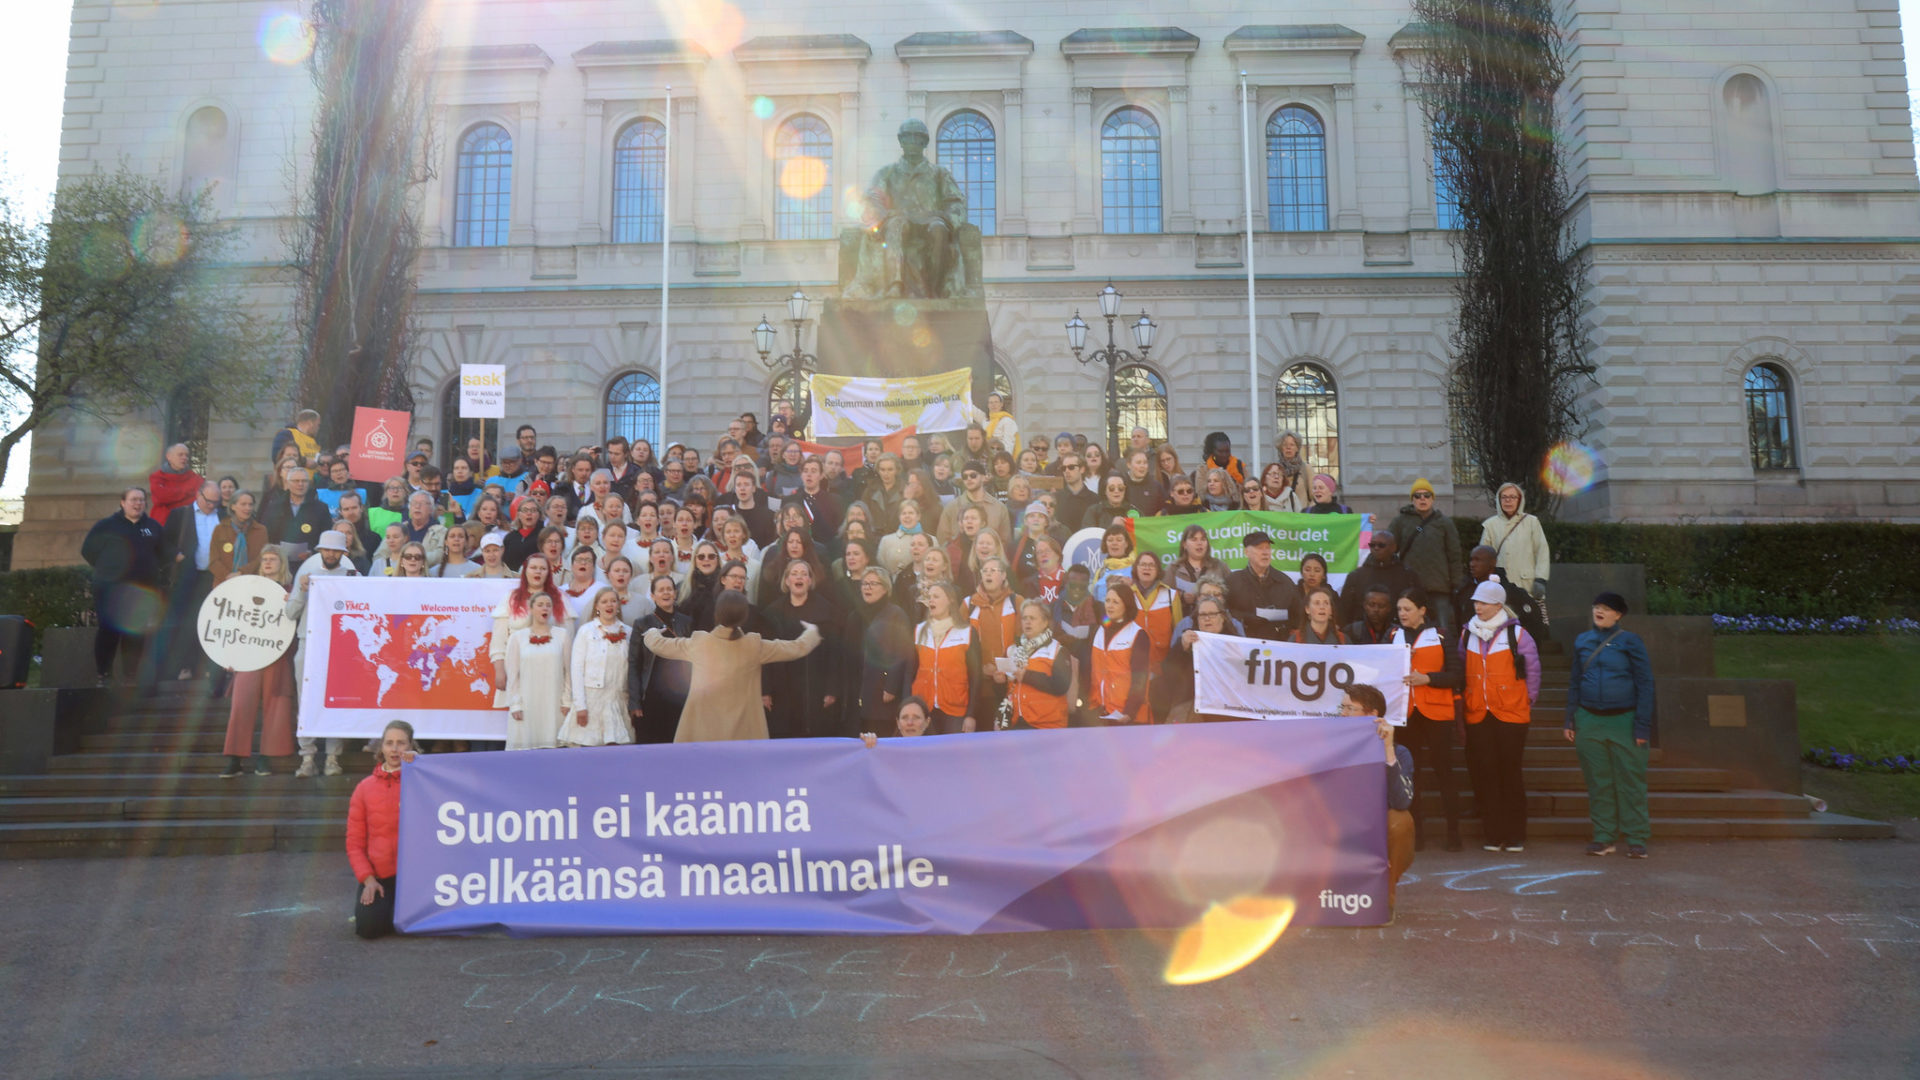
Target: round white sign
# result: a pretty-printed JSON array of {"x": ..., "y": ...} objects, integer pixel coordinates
[{"x": 244, "y": 623}]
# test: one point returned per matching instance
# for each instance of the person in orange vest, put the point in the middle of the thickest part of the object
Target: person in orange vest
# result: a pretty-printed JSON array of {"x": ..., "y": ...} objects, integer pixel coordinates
[
  {"x": 1433, "y": 723},
  {"x": 1160, "y": 611},
  {"x": 1502, "y": 683},
  {"x": 994, "y": 613},
  {"x": 1120, "y": 662},
  {"x": 945, "y": 668},
  {"x": 1042, "y": 673}
]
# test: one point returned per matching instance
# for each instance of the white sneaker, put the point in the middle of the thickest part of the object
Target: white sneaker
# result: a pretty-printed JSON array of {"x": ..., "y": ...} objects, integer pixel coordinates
[
  {"x": 1489, "y": 847},
  {"x": 333, "y": 765},
  {"x": 306, "y": 770},
  {"x": 1516, "y": 847}
]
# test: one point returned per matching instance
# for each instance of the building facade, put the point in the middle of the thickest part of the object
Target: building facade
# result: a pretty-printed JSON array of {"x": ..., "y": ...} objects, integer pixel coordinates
[{"x": 1743, "y": 179}]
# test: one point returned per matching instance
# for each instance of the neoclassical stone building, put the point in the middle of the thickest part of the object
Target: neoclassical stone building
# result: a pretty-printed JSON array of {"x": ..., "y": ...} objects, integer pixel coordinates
[{"x": 1744, "y": 178}]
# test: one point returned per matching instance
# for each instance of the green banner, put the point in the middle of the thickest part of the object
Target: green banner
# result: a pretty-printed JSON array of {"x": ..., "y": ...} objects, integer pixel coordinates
[{"x": 1334, "y": 537}]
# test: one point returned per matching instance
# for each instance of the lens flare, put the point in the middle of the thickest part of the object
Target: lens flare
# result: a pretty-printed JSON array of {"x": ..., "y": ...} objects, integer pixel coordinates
[
  {"x": 136, "y": 446},
  {"x": 763, "y": 107},
  {"x": 286, "y": 38},
  {"x": 803, "y": 177},
  {"x": 134, "y": 609},
  {"x": 1569, "y": 468},
  {"x": 159, "y": 238},
  {"x": 1228, "y": 937},
  {"x": 922, "y": 337},
  {"x": 905, "y": 314}
]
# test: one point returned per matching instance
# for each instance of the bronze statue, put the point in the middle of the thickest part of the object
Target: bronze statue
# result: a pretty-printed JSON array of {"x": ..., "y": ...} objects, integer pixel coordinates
[{"x": 914, "y": 214}]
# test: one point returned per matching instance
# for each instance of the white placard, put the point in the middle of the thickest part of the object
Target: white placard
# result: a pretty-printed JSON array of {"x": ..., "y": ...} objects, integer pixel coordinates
[
  {"x": 243, "y": 623},
  {"x": 1268, "y": 680},
  {"x": 483, "y": 391}
]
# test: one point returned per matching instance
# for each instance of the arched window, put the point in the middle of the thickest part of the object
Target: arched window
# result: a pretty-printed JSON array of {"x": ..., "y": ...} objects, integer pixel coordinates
[
  {"x": 633, "y": 408},
  {"x": 1770, "y": 417},
  {"x": 639, "y": 181},
  {"x": 483, "y": 187},
  {"x": 1130, "y": 172},
  {"x": 966, "y": 149},
  {"x": 1140, "y": 400},
  {"x": 1296, "y": 171},
  {"x": 1306, "y": 403},
  {"x": 208, "y": 160},
  {"x": 1747, "y": 135},
  {"x": 187, "y": 422},
  {"x": 803, "y": 180},
  {"x": 783, "y": 390},
  {"x": 456, "y": 430}
]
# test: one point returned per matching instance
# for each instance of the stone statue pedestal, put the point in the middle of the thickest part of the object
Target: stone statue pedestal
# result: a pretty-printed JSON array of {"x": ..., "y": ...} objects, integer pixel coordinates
[{"x": 908, "y": 337}]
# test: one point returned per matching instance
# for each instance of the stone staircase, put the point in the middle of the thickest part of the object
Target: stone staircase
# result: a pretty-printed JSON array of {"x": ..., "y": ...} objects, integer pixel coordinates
[{"x": 149, "y": 784}]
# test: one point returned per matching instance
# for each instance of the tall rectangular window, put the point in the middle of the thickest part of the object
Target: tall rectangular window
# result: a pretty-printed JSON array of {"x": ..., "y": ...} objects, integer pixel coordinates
[
  {"x": 966, "y": 148},
  {"x": 483, "y": 187},
  {"x": 639, "y": 182}
]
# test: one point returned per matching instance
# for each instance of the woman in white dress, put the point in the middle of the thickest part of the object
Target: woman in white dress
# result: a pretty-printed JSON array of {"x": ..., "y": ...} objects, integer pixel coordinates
[
  {"x": 599, "y": 677},
  {"x": 538, "y": 697},
  {"x": 634, "y": 603},
  {"x": 582, "y": 579},
  {"x": 515, "y": 613}
]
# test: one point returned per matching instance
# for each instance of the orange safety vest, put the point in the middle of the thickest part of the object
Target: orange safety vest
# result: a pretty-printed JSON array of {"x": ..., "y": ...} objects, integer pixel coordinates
[
  {"x": 1009, "y": 626},
  {"x": 1429, "y": 657},
  {"x": 1159, "y": 614},
  {"x": 1493, "y": 686},
  {"x": 1113, "y": 670},
  {"x": 942, "y": 680},
  {"x": 1036, "y": 707}
]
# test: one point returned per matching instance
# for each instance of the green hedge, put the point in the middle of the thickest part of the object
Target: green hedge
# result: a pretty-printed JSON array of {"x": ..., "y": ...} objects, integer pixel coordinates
[
  {"x": 1824, "y": 570},
  {"x": 56, "y": 596}
]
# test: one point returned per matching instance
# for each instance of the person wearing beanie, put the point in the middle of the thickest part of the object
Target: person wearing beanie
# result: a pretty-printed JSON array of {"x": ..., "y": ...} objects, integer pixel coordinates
[
  {"x": 1502, "y": 681},
  {"x": 1326, "y": 496},
  {"x": 1610, "y": 723},
  {"x": 1429, "y": 547}
]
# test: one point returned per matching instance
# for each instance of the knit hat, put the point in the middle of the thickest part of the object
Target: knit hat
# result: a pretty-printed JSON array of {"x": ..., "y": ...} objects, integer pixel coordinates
[
  {"x": 1613, "y": 600},
  {"x": 1420, "y": 485},
  {"x": 1490, "y": 591},
  {"x": 1332, "y": 484}
]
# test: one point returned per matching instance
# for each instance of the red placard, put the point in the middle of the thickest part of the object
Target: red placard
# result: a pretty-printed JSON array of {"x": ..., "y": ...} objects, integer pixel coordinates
[
  {"x": 379, "y": 448},
  {"x": 855, "y": 454}
]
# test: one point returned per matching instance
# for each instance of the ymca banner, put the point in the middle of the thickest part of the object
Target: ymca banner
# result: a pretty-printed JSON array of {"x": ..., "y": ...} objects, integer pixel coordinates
[
  {"x": 956, "y": 834},
  {"x": 412, "y": 649},
  {"x": 1266, "y": 680},
  {"x": 876, "y": 405},
  {"x": 1335, "y": 537}
]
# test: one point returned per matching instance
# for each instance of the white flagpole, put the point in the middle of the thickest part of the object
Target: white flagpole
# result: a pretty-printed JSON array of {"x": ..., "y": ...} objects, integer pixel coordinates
[
  {"x": 1253, "y": 349},
  {"x": 666, "y": 250}
]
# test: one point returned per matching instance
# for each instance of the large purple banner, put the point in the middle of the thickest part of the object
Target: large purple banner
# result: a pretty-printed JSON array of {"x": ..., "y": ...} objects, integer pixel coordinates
[{"x": 961, "y": 834}]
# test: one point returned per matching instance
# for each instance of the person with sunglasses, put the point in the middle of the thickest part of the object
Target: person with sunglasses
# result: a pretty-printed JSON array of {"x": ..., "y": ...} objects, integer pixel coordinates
[
  {"x": 1381, "y": 567},
  {"x": 1430, "y": 548}
]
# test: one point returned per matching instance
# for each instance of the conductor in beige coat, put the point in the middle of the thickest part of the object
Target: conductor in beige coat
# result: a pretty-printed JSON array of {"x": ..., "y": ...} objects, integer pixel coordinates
[{"x": 723, "y": 701}]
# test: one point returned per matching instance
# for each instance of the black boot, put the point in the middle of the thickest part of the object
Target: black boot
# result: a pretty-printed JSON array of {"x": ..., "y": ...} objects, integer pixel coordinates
[{"x": 232, "y": 769}]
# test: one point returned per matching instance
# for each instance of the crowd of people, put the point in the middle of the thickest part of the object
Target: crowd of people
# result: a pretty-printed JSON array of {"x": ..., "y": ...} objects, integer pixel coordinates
[{"x": 769, "y": 587}]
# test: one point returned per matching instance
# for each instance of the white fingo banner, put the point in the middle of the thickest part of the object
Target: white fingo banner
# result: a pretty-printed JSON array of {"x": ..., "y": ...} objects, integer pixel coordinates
[
  {"x": 1266, "y": 680},
  {"x": 412, "y": 649}
]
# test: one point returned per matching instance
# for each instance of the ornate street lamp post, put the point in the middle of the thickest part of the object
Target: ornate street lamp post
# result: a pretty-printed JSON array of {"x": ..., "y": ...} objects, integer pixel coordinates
[
  {"x": 798, "y": 362},
  {"x": 1111, "y": 355}
]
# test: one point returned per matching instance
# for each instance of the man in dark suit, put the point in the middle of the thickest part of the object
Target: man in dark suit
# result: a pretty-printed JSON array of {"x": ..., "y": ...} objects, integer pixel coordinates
[{"x": 185, "y": 553}]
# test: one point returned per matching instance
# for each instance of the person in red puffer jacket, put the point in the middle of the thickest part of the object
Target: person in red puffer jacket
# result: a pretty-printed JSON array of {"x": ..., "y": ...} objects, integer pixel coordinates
[
  {"x": 373, "y": 833},
  {"x": 174, "y": 483}
]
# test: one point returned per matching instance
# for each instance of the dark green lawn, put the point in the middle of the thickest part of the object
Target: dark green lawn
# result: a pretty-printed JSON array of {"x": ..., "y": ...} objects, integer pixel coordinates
[{"x": 1859, "y": 694}]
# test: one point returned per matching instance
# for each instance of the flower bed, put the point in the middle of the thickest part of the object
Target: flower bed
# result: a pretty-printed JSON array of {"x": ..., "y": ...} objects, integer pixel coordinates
[
  {"x": 1781, "y": 624},
  {"x": 1833, "y": 758}
]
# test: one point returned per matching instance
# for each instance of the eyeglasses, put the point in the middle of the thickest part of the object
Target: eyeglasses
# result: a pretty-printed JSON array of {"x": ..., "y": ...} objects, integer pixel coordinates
[
  {"x": 413, "y": 558},
  {"x": 1423, "y": 495},
  {"x": 706, "y": 557}
]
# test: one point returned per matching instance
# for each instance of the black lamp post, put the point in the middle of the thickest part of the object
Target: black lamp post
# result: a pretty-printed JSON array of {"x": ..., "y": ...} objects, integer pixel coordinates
[
  {"x": 1112, "y": 355},
  {"x": 797, "y": 362}
]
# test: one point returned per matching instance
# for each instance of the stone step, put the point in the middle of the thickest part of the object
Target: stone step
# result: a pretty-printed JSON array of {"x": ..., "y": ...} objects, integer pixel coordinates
[
  {"x": 173, "y": 784},
  {"x": 1568, "y": 778},
  {"x": 355, "y": 762},
  {"x": 264, "y": 803},
  {"x": 1661, "y": 804},
  {"x": 207, "y": 739},
  {"x": 194, "y": 837},
  {"x": 1817, "y": 826}
]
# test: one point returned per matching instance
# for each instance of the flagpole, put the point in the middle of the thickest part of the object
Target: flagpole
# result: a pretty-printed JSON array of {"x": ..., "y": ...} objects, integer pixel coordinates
[
  {"x": 666, "y": 249},
  {"x": 1253, "y": 348}
]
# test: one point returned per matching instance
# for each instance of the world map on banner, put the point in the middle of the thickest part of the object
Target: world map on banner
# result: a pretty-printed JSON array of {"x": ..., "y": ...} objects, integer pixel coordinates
[{"x": 410, "y": 661}]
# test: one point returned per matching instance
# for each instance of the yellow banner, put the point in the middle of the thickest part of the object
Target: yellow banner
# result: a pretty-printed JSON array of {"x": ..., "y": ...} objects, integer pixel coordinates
[{"x": 871, "y": 405}]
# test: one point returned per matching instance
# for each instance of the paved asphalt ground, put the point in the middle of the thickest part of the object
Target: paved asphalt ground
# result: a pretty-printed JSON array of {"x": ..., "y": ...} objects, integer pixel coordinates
[{"x": 1748, "y": 959}]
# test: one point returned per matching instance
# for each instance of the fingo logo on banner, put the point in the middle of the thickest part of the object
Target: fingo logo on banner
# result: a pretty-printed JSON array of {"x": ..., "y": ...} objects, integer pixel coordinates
[
  {"x": 483, "y": 391},
  {"x": 1351, "y": 903},
  {"x": 1274, "y": 680}
]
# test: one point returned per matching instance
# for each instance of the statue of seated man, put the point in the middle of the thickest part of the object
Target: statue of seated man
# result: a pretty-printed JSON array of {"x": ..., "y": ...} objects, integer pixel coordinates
[{"x": 913, "y": 215}]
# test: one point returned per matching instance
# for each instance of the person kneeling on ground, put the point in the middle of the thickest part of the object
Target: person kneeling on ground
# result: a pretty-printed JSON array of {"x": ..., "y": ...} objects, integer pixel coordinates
[
  {"x": 373, "y": 833},
  {"x": 913, "y": 721},
  {"x": 1363, "y": 700}
]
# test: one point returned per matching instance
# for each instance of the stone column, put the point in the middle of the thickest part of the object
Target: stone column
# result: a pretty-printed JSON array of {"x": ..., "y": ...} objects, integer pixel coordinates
[
  {"x": 438, "y": 194},
  {"x": 754, "y": 192},
  {"x": 592, "y": 226},
  {"x": 1176, "y": 163},
  {"x": 1010, "y": 171},
  {"x": 1343, "y": 189},
  {"x": 1420, "y": 213},
  {"x": 686, "y": 152},
  {"x": 917, "y": 105},
  {"x": 526, "y": 162},
  {"x": 1086, "y": 163}
]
